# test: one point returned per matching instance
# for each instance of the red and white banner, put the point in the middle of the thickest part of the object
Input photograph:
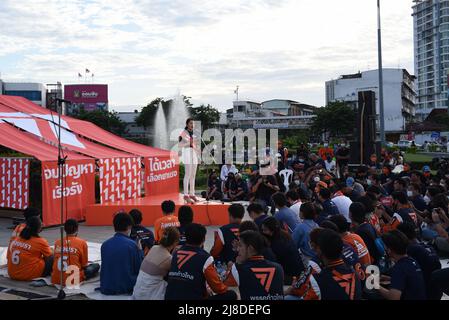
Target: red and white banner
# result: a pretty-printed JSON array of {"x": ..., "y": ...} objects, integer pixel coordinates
[
  {"x": 14, "y": 182},
  {"x": 161, "y": 175},
  {"x": 78, "y": 192},
  {"x": 120, "y": 179}
]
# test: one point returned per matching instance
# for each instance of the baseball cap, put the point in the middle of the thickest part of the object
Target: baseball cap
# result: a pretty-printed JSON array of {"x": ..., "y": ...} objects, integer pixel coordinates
[
  {"x": 426, "y": 169},
  {"x": 350, "y": 182}
]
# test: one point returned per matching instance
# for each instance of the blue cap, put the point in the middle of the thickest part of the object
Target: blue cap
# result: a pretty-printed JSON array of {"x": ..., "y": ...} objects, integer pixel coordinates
[
  {"x": 426, "y": 169},
  {"x": 350, "y": 182}
]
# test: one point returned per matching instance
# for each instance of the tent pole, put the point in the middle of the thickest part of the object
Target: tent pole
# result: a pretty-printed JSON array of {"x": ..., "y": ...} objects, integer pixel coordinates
[{"x": 61, "y": 162}]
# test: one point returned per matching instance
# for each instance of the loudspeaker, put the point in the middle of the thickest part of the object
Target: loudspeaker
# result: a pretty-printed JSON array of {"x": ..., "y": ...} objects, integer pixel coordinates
[{"x": 364, "y": 144}]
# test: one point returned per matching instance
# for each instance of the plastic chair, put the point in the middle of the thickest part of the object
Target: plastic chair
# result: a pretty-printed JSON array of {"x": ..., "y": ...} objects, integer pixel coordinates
[{"x": 286, "y": 175}]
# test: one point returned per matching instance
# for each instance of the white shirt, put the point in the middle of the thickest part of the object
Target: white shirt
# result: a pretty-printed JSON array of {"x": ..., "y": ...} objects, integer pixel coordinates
[
  {"x": 225, "y": 171},
  {"x": 343, "y": 203},
  {"x": 330, "y": 166},
  {"x": 296, "y": 207}
]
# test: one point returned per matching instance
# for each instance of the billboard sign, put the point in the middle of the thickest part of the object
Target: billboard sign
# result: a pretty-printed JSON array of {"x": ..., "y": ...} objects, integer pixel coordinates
[{"x": 87, "y": 96}]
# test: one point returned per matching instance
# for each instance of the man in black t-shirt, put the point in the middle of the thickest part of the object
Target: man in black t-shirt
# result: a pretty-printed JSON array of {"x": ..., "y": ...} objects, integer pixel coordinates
[
  {"x": 406, "y": 278},
  {"x": 425, "y": 255}
]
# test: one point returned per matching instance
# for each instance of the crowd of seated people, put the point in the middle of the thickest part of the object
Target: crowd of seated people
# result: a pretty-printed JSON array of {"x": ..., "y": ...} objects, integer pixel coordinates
[{"x": 314, "y": 241}]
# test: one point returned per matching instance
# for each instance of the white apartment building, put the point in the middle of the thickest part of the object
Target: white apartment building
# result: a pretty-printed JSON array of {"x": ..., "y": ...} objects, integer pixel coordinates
[{"x": 399, "y": 94}]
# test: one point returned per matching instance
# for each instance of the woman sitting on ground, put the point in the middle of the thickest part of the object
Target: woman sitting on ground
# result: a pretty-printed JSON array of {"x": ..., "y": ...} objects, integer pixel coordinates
[
  {"x": 150, "y": 284},
  {"x": 29, "y": 255},
  {"x": 284, "y": 249}
]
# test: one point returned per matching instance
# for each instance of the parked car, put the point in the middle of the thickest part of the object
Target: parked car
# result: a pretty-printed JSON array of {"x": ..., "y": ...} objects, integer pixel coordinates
[
  {"x": 389, "y": 144},
  {"x": 405, "y": 144}
]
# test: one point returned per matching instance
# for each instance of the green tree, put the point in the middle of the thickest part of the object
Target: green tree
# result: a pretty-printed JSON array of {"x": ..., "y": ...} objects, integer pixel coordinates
[
  {"x": 336, "y": 119},
  {"x": 442, "y": 119},
  {"x": 104, "y": 119},
  {"x": 208, "y": 115},
  {"x": 148, "y": 113}
]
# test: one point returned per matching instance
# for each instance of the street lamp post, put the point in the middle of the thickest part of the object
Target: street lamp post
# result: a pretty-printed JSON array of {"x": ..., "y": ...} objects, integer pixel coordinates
[{"x": 381, "y": 87}]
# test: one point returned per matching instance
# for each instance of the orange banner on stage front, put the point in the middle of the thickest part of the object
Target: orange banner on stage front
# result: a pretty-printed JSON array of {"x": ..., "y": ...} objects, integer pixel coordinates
[
  {"x": 161, "y": 175},
  {"x": 78, "y": 191}
]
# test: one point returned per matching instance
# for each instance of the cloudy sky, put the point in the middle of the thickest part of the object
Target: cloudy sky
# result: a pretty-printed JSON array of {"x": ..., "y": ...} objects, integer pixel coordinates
[{"x": 202, "y": 48}]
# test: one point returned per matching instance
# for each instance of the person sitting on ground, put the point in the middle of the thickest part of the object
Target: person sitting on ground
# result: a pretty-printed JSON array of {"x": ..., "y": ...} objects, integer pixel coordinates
[
  {"x": 293, "y": 201},
  {"x": 302, "y": 231},
  {"x": 27, "y": 213},
  {"x": 365, "y": 230},
  {"x": 329, "y": 207},
  {"x": 414, "y": 194},
  {"x": 120, "y": 259},
  {"x": 213, "y": 187},
  {"x": 330, "y": 164},
  {"x": 263, "y": 187},
  {"x": 287, "y": 218},
  {"x": 29, "y": 255},
  {"x": 406, "y": 280},
  {"x": 144, "y": 237},
  {"x": 256, "y": 213},
  {"x": 352, "y": 239},
  {"x": 237, "y": 189},
  {"x": 222, "y": 249},
  {"x": 424, "y": 255},
  {"x": 403, "y": 212},
  {"x": 185, "y": 217},
  {"x": 353, "y": 190},
  {"x": 400, "y": 185},
  {"x": 251, "y": 266},
  {"x": 348, "y": 254},
  {"x": 439, "y": 284},
  {"x": 167, "y": 220},
  {"x": 75, "y": 254},
  {"x": 192, "y": 268},
  {"x": 336, "y": 281},
  {"x": 287, "y": 255},
  {"x": 341, "y": 201},
  {"x": 250, "y": 225},
  {"x": 150, "y": 283}
]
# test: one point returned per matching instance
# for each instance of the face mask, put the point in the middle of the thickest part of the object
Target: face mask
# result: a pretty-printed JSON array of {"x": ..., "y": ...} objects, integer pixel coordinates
[
  {"x": 409, "y": 194},
  {"x": 329, "y": 159},
  {"x": 297, "y": 182},
  {"x": 426, "y": 199},
  {"x": 316, "y": 179},
  {"x": 369, "y": 182},
  {"x": 343, "y": 145}
]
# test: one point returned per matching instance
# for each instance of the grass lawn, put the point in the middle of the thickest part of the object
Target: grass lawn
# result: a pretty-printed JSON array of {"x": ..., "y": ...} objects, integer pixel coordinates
[{"x": 422, "y": 158}]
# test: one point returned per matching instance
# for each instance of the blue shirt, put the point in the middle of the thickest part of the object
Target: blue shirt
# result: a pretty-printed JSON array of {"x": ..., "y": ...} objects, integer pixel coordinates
[
  {"x": 287, "y": 218},
  {"x": 329, "y": 209},
  {"x": 407, "y": 277},
  {"x": 120, "y": 265},
  {"x": 259, "y": 220},
  {"x": 419, "y": 203},
  {"x": 301, "y": 237}
]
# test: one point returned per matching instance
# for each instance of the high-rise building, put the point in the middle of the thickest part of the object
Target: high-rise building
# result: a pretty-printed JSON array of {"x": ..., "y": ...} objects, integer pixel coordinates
[{"x": 431, "y": 42}]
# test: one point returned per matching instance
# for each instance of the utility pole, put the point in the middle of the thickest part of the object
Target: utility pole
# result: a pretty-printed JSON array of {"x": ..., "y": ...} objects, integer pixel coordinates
[{"x": 381, "y": 85}]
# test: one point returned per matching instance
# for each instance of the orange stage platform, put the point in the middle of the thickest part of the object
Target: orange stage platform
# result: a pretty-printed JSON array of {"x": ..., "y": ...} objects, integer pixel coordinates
[{"x": 212, "y": 213}]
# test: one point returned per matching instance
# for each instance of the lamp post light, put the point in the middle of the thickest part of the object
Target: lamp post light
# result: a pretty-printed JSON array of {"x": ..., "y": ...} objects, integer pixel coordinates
[{"x": 381, "y": 87}]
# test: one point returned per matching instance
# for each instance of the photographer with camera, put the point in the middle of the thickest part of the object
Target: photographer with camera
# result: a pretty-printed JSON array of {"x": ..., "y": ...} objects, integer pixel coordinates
[{"x": 263, "y": 187}]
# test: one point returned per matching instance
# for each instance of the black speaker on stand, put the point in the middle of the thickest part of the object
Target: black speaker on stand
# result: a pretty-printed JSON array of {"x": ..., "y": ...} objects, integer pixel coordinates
[{"x": 364, "y": 144}]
